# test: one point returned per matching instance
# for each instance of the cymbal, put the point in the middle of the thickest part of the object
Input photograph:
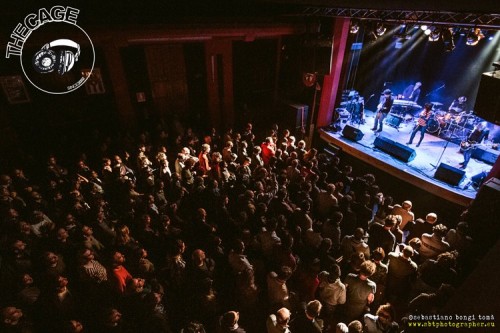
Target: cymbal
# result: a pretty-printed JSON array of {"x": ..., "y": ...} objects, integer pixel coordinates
[{"x": 436, "y": 103}]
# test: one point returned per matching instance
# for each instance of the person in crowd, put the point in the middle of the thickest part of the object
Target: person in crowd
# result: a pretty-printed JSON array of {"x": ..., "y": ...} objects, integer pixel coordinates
[
  {"x": 308, "y": 321},
  {"x": 380, "y": 275},
  {"x": 382, "y": 236},
  {"x": 382, "y": 322},
  {"x": 279, "y": 322},
  {"x": 228, "y": 323},
  {"x": 458, "y": 238},
  {"x": 402, "y": 272},
  {"x": 404, "y": 210},
  {"x": 355, "y": 243},
  {"x": 277, "y": 289},
  {"x": 331, "y": 291},
  {"x": 434, "y": 244},
  {"x": 420, "y": 226},
  {"x": 360, "y": 291}
]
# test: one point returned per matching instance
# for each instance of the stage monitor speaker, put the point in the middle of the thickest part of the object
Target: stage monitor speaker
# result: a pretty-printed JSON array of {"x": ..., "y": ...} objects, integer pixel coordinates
[
  {"x": 488, "y": 97},
  {"x": 485, "y": 154},
  {"x": 449, "y": 174},
  {"x": 294, "y": 118},
  {"x": 352, "y": 133},
  {"x": 396, "y": 149}
]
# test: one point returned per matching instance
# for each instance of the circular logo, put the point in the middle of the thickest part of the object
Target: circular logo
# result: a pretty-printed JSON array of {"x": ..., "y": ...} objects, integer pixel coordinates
[{"x": 57, "y": 57}]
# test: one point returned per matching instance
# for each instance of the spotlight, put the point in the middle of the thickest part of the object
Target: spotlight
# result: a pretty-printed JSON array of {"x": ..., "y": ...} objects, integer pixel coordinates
[
  {"x": 474, "y": 36},
  {"x": 380, "y": 29},
  {"x": 423, "y": 27},
  {"x": 434, "y": 35},
  {"x": 427, "y": 32},
  {"x": 404, "y": 32},
  {"x": 447, "y": 36},
  {"x": 354, "y": 27}
]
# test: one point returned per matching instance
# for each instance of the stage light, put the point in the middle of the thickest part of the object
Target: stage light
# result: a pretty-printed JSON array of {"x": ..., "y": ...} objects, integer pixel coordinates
[
  {"x": 423, "y": 27},
  {"x": 354, "y": 27},
  {"x": 427, "y": 31},
  {"x": 435, "y": 34},
  {"x": 403, "y": 32},
  {"x": 380, "y": 29},
  {"x": 474, "y": 36},
  {"x": 447, "y": 36}
]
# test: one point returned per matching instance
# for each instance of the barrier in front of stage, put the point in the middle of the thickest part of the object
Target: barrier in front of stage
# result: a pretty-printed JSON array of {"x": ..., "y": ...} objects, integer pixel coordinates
[
  {"x": 449, "y": 174},
  {"x": 352, "y": 133},
  {"x": 396, "y": 149}
]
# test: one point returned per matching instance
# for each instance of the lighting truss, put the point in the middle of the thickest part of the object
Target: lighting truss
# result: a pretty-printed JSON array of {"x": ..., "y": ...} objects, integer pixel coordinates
[{"x": 479, "y": 20}]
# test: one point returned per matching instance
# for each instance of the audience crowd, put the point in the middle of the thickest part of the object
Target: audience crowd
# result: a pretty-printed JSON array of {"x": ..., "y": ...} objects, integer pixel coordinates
[{"x": 222, "y": 233}]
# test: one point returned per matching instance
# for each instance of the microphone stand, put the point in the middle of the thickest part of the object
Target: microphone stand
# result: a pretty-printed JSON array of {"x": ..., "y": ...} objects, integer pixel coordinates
[
  {"x": 440, "y": 157},
  {"x": 433, "y": 91}
]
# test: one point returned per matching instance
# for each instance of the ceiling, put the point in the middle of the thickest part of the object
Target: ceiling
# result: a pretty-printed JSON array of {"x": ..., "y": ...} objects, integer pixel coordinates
[{"x": 478, "y": 12}]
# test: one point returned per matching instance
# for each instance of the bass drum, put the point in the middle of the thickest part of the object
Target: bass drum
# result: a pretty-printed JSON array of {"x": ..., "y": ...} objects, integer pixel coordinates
[{"x": 432, "y": 126}]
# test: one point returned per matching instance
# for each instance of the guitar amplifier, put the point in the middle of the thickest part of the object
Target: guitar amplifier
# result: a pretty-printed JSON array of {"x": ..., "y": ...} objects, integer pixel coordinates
[{"x": 485, "y": 154}]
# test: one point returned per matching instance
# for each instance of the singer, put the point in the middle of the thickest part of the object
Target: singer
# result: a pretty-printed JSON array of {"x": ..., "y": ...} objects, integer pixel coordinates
[{"x": 421, "y": 124}]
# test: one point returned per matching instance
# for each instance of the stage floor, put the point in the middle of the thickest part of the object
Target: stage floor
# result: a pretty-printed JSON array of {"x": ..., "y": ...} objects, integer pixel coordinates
[{"x": 420, "y": 171}]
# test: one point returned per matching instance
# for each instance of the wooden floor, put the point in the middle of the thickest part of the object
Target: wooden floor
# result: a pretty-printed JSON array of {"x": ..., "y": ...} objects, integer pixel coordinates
[{"x": 418, "y": 172}]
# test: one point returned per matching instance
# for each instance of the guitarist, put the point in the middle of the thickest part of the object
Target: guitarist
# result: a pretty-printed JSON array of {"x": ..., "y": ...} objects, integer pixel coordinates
[
  {"x": 383, "y": 109},
  {"x": 480, "y": 133},
  {"x": 421, "y": 125}
]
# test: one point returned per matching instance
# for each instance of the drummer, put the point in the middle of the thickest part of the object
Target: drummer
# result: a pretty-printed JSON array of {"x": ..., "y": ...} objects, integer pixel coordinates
[{"x": 459, "y": 105}]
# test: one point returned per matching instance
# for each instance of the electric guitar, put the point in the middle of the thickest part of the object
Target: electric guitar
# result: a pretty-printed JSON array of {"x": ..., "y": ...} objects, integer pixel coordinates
[{"x": 466, "y": 145}]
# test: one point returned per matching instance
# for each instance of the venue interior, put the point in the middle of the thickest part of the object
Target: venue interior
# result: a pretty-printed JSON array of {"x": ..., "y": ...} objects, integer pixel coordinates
[{"x": 323, "y": 69}]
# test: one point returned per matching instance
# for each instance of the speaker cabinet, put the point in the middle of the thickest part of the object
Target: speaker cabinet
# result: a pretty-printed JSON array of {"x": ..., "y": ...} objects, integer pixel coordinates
[
  {"x": 396, "y": 149},
  {"x": 295, "y": 118},
  {"x": 352, "y": 133},
  {"x": 486, "y": 155},
  {"x": 488, "y": 97},
  {"x": 449, "y": 174}
]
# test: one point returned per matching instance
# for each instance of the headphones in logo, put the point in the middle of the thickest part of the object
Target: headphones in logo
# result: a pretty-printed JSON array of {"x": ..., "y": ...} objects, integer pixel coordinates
[{"x": 46, "y": 60}]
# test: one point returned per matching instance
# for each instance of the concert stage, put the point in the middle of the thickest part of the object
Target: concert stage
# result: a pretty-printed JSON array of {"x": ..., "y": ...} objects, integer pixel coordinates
[{"x": 420, "y": 170}]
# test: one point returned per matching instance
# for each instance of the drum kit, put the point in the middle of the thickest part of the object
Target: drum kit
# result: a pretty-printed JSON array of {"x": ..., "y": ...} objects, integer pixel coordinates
[{"x": 452, "y": 124}]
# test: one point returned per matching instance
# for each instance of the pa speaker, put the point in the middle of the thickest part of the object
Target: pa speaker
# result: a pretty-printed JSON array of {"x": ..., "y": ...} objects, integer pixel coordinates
[
  {"x": 488, "y": 97},
  {"x": 295, "y": 118},
  {"x": 396, "y": 149},
  {"x": 449, "y": 174},
  {"x": 352, "y": 133}
]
